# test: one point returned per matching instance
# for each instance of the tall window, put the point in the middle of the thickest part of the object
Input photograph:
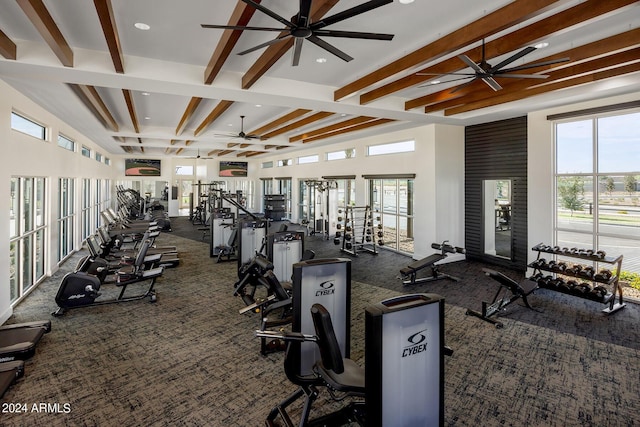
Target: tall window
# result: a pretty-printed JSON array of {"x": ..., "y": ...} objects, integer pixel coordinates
[
  {"x": 87, "y": 229},
  {"x": 97, "y": 204},
  {"x": 267, "y": 188},
  {"x": 597, "y": 192},
  {"x": 391, "y": 200},
  {"x": 27, "y": 231},
  {"x": 66, "y": 216},
  {"x": 284, "y": 187}
]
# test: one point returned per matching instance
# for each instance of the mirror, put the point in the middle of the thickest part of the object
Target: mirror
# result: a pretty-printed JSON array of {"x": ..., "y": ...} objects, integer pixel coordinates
[{"x": 497, "y": 217}]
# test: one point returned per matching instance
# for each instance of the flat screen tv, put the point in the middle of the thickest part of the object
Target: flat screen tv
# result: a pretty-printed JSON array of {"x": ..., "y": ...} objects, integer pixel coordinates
[
  {"x": 233, "y": 169},
  {"x": 142, "y": 167}
]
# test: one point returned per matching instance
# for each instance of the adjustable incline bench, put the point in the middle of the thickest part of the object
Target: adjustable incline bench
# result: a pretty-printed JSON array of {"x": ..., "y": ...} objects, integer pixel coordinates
[
  {"x": 518, "y": 290},
  {"x": 409, "y": 273}
]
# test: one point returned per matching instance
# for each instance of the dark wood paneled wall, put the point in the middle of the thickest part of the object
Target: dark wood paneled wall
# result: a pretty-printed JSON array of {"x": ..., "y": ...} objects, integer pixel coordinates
[{"x": 496, "y": 150}]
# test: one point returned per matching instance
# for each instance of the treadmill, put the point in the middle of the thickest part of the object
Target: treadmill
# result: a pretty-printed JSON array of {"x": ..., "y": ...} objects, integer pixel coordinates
[{"x": 18, "y": 341}]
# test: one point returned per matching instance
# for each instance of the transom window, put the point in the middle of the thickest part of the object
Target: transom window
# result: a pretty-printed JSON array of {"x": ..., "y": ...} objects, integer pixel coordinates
[{"x": 28, "y": 126}]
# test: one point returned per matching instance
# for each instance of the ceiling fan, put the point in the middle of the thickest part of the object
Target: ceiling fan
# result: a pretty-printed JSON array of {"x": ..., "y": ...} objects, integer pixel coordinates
[
  {"x": 301, "y": 28},
  {"x": 199, "y": 157},
  {"x": 487, "y": 73},
  {"x": 240, "y": 134}
]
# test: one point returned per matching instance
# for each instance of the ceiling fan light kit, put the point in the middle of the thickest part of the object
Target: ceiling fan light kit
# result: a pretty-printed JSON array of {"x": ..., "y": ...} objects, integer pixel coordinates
[{"x": 301, "y": 28}]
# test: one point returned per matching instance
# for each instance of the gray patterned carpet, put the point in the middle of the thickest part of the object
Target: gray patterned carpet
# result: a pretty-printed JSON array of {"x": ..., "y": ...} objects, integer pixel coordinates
[{"x": 191, "y": 360}]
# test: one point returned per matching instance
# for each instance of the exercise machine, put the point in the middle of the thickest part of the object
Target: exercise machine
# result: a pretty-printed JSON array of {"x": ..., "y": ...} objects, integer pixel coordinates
[
  {"x": 284, "y": 248},
  {"x": 18, "y": 341},
  {"x": 508, "y": 292},
  {"x": 410, "y": 272},
  {"x": 80, "y": 289},
  {"x": 325, "y": 282},
  {"x": 9, "y": 374},
  {"x": 404, "y": 354}
]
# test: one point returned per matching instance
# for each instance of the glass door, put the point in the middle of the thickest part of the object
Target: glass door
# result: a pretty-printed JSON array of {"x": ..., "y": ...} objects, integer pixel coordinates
[{"x": 392, "y": 201}]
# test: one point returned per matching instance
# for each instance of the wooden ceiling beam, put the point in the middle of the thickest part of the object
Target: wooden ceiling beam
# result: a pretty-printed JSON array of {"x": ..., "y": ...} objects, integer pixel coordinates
[
  {"x": 215, "y": 113},
  {"x": 274, "y": 52},
  {"x": 444, "y": 99},
  {"x": 90, "y": 97},
  {"x": 376, "y": 122},
  {"x": 572, "y": 18},
  {"x": 212, "y": 152},
  {"x": 188, "y": 112},
  {"x": 7, "y": 47},
  {"x": 512, "y": 14},
  {"x": 302, "y": 122},
  {"x": 232, "y": 144},
  {"x": 280, "y": 121},
  {"x": 39, "y": 16},
  {"x": 336, "y": 126},
  {"x": 168, "y": 150},
  {"x": 572, "y": 76},
  {"x": 108, "y": 23},
  {"x": 225, "y": 152},
  {"x": 241, "y": 16},
  {"x": 128, "y": 98},
  {"x": 188, "y": 142},
  {"x": 255, "y": 153},
  {"x": 179, "y": 150}
]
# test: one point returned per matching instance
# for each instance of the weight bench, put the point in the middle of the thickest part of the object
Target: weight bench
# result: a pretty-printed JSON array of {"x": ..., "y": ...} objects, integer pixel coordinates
[
  {"x": 409, "y": 273},
  {"x": 518, "y": 290}
]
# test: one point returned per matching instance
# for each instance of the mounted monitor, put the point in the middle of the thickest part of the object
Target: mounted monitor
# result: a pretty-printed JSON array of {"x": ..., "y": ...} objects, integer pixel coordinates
[
  {"x": 233, "y": 169},
  {"x": 142, "y": 167}
]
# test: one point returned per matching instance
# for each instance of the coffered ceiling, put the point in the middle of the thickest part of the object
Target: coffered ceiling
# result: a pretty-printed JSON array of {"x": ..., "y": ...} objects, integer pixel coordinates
[{"x": 177, "y": 89}]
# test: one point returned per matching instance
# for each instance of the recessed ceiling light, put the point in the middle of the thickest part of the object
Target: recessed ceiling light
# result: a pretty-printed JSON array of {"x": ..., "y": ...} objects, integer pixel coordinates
[
  {"x": 321, "y": 60},
  {"x": 147, "y": 118},
  {"x": 145, "y": 94},
  {"x": 141, "y": 26},
  {"x": 406, "y": 1},
  {"x": 435, "y": 82},
  {"x": 258, "y": 105},
  {"x": 541, "y": 45}
]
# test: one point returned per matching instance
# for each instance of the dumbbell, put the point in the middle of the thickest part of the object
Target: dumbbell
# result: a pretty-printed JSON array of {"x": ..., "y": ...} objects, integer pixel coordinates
[
  {"x": 347, "y": 237},
  {"x": 604, "y": 275},
  {"x": 338, "y": 226},
  {"x": 348, "y": 228},
  {"x": 380, "y": 242},
  {"x": 598, "y": 292},
  {"x": 368, "y": 238},
  {"x": 368, "y": 231},
  {"x": 587, "y": 272},
  {"x": 600, "y": 254},
  {"x": 380, "y": 234},
  {"x": 379, "y": 226},
  {"x": 582, "y": 288},
  {"x": 340, "y": 218},
  {"x": 338, "y": 234},
  {"x": 348, "y": 245},
  {"x": 336, "y": 241}
]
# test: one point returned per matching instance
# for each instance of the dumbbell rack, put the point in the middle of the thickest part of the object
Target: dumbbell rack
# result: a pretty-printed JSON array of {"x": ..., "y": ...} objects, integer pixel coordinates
[
  {"x": 358, "y": 232},
  {"x": 588, "y": 275}
]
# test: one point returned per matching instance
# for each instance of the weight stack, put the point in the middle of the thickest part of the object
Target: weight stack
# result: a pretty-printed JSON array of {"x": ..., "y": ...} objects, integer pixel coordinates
[{"x": 404, "y": 369}]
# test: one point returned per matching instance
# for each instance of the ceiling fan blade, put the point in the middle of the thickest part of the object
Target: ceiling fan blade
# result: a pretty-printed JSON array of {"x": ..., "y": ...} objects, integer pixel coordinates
[
  {"x": 492, "y": 83},
  {"x": 521, "y": 76},
  {"x": 241, "y": 27},
  {"x": 353, "y": 34},
  {"x": 512, "y": 58},
  {"x": 472, "y": 64},
  {"x": 265, "y": 44},
  {"x": 446, "y": 74},
  {"x": 297, "y": 48},
  {"x": 537, "y": 64},
  {"x": 304, "y": 16},
  {"x": 266, "y": 11},
  {"x": 329, "y": 48},
  {"x": 346, "y": 14},
  {"x": 445, "y": 81}
]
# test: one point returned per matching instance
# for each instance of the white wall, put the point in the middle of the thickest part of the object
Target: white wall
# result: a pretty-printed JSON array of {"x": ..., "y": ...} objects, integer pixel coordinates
[
  {"x": 23, "y": 155},
  {"x": 540, "y": 167},
  {"x": 438, "y": 163}
]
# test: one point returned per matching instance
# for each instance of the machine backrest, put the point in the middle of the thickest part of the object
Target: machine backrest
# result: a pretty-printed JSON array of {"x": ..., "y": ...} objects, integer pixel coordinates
[
  {"x": 233, "y": 237},
  {"x": 327, "y": 341},
  {"x": 142, "y": 253},
  {"x": 273, "y": 284},
  {"x": 93, "y": 246}
]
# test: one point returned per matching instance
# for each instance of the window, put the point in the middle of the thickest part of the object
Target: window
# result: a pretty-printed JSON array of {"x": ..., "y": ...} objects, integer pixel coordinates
[
  {"x": 391, "y": 200},
  {"x": 597, "y": 193},
  {"x": 308, "y": 159},
  {"x": 66, "y": 143},
  {"x": 349, "y": 153},
  {"x": 86, "y": 208},
  {"x": 267, "y": 165},
  {"x": 27, "y": 126},
  {"x": 184, "y": 170},
  {"x": 285, "y": 162},
  {"x": 107, "y": 161},
  {"x": 284, "y": 187},
  {"x": 27, "y": 229},
  {"x": 99, "y": 157},
  {"x": 394, "y": 147},
  {"x": 66, "y": 216},
  {"x": 86, "y": 151}
]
